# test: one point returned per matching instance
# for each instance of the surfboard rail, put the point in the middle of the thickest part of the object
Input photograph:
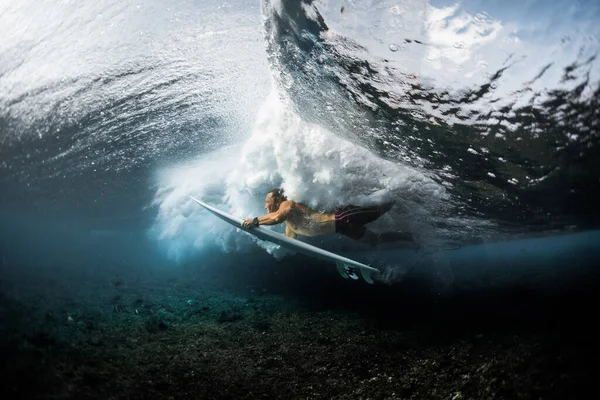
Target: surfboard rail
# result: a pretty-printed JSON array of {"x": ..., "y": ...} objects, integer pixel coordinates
[{"x": 346, "y": 266}]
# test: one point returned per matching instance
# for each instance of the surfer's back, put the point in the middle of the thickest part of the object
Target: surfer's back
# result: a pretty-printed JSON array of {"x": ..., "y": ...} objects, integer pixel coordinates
[{"x": 307, "y": 221}]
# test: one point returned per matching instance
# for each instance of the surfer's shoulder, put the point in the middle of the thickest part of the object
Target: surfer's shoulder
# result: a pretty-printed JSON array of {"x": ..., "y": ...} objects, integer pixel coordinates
[{"x": 287, "y": 205}]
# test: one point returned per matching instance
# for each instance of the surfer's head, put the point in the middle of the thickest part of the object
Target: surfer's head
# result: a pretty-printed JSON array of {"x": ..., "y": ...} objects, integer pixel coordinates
[{"x": 274, "y": 199}]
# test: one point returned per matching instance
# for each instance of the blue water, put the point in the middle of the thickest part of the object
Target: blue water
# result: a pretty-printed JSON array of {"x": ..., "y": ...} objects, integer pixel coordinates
[{"x": 480, "y": 120}]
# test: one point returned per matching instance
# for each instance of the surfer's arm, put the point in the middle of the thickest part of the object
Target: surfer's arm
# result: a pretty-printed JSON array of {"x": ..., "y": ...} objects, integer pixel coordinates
[{"x": 273, "y": 218}]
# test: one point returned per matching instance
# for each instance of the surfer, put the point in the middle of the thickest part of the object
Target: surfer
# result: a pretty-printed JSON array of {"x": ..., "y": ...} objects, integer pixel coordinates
[{"x": 347, "y": 220}]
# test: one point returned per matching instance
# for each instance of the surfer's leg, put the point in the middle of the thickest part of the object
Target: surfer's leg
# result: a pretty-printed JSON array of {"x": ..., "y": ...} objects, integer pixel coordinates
[
  {"x": 350, "y": 221},
  {"x": 369, "y": 237},
  {"x": 345, "y": 221},
  {"x": 394, "y": 236},
  {"x": 356, "y": 216},
  {"x": 372, "y": 238}
]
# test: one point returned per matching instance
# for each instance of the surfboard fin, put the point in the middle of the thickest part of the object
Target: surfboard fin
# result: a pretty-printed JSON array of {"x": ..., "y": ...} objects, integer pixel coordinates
[
  {"x": 346, "y": 271},
  {"x": 342, "y": 269},
  {"x": 366, "y": 274},
  {"x": 349, "y": 272}
]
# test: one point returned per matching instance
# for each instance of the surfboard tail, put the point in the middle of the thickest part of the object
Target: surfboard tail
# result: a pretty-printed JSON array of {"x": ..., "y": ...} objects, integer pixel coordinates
[{"x": 350, "y": 272}]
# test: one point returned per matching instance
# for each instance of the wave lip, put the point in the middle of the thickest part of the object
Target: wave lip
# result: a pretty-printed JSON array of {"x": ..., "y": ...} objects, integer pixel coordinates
[{"x": 500, "y": 105}]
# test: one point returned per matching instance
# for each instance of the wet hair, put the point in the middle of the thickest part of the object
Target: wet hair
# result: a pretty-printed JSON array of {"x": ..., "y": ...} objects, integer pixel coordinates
[{"x": 278, "y": 194}]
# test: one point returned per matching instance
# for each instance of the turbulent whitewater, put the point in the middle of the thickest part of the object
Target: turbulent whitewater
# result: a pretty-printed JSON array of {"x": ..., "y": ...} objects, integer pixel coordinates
[{"x": 481, "y": 121}]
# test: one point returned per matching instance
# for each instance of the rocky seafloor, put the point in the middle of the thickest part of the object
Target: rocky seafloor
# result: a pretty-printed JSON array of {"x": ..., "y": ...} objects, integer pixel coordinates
[{"x": 181, "y": 338}]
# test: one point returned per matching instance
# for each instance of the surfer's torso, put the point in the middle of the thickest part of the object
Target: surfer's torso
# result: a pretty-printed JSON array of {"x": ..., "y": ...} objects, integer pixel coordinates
[{"x": 303, "y": 220}]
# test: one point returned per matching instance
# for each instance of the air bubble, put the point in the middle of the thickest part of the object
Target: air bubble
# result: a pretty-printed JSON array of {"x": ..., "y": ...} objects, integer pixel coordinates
[
  {"x": 395, "y": 10},
  {"x": 394, "y": 47}
]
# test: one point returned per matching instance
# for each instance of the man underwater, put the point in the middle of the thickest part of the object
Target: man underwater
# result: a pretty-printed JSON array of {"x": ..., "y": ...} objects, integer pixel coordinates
[{"x": 348, "y": 220}]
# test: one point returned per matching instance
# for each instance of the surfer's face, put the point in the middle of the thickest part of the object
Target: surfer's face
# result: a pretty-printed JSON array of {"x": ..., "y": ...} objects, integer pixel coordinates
[{"x": 271, "y": 203}]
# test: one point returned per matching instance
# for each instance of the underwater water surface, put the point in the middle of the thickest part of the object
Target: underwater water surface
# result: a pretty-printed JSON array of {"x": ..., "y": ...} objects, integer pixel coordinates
[{"x": 479, "y": 119}]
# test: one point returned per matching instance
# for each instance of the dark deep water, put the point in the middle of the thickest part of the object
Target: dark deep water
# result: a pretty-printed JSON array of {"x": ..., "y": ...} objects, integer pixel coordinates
[{"x": 479, "y": 119}]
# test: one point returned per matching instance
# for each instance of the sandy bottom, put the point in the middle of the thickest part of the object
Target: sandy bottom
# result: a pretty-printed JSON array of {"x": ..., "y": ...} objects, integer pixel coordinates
[{"x": 178, "y": 341}]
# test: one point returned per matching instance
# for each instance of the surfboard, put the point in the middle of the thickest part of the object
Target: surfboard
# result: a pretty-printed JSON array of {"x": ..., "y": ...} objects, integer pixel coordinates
[{"x": 346, "y": 267}]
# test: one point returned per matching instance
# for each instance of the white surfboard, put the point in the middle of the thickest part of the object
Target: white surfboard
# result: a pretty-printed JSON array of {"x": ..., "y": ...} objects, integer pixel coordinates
[{"x": 346, "y": 267}]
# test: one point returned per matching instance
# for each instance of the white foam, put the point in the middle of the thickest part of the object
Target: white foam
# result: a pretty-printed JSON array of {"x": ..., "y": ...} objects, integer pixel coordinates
[{"x": 313, "y": 165}]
